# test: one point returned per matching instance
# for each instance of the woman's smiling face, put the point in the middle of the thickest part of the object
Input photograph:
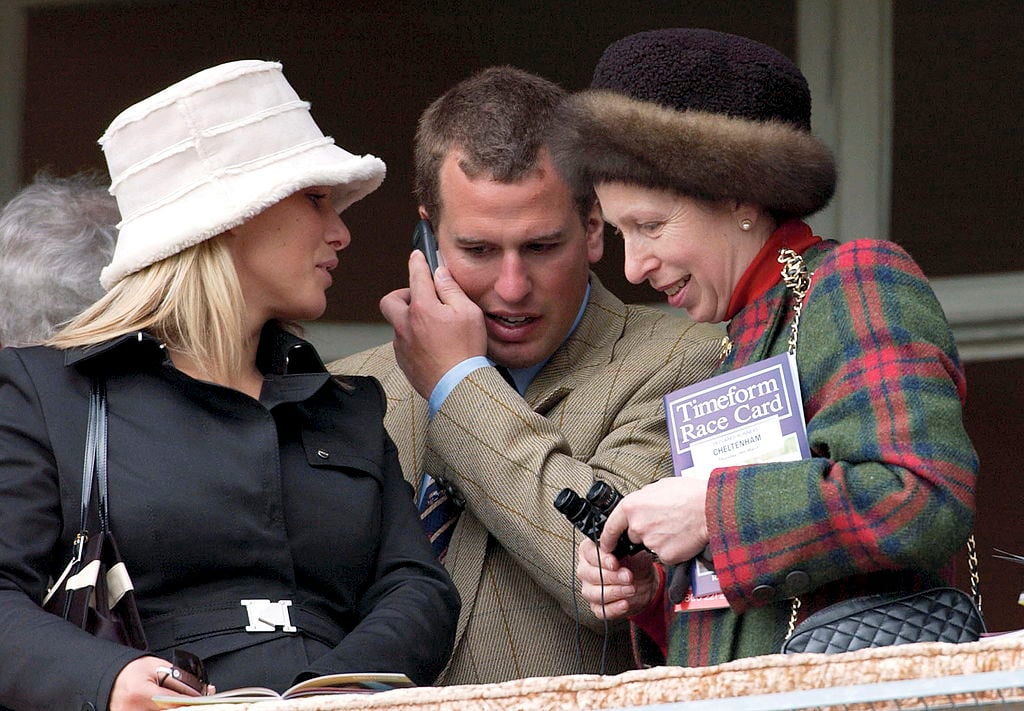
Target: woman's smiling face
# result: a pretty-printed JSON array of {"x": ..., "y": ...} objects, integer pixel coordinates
[{"x": 691, "y": 250}]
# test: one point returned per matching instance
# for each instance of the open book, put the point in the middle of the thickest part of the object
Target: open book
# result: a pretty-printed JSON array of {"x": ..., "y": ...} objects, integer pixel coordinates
[
  {"x": 351, "y": 683},
  {"x": 751, "y": 415}
]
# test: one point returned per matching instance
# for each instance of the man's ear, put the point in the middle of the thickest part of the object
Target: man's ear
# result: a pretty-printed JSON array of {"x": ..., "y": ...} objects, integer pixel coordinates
[
  {"x": 423, "y": 213},
  {"x": 594, "y": 229}
]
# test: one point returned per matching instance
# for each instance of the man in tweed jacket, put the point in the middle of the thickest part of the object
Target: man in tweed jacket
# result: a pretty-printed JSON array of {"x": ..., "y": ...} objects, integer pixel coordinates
[{"x": 517, "y": 291}]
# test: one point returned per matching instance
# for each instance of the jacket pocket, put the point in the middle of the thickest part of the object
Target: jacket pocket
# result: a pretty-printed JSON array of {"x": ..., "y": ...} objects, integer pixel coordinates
[{"x": 324, "y": 451}]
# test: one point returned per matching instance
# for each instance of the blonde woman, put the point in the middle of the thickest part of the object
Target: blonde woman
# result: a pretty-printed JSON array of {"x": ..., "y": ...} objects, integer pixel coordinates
[{"x": 239, "y": 470}]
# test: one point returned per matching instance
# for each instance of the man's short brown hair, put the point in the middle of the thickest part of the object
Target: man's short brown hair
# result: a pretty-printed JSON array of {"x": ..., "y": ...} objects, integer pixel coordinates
[{"x": 497, "y": 119}]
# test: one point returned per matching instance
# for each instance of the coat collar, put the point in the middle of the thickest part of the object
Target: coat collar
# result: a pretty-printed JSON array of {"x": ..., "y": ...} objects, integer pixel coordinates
[
  {"x": 140, "y": 344},
  {"x": 279, "y": 352},
  {"x": 283, "y": 353},
  {"x": 755, "y": 330}
]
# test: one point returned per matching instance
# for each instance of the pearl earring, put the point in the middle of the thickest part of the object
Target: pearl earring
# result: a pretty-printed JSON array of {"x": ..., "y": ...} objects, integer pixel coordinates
[{"x": 745, "y": 225}]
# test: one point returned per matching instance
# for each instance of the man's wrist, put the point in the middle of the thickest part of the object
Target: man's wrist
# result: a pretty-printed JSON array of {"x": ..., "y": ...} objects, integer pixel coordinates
[{"x": 452, "y": 378}]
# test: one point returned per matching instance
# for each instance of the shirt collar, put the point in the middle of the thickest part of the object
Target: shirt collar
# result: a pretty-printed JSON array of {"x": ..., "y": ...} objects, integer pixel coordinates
[{"x": 524, "y": 376}]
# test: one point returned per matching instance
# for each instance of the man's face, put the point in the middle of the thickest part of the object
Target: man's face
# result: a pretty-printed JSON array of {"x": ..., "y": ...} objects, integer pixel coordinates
[{"x": 521, "y": 253}]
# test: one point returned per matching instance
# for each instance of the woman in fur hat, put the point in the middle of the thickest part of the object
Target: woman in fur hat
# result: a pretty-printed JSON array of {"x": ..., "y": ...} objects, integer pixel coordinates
[
  {"x": 258, "y": 502},
  {"x": 698, "y": 144}
]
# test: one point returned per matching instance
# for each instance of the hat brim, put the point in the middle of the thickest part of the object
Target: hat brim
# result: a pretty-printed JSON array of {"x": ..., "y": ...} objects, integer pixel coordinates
[
  {"x": 213, "y": 207},
  {"x": 605, "y": 136}
]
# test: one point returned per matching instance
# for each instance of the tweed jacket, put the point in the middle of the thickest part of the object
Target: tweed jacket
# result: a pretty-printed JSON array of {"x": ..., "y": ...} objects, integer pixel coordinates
[
  {"x": 593, "y": 412},
  {"x": 887, "y": 497}
]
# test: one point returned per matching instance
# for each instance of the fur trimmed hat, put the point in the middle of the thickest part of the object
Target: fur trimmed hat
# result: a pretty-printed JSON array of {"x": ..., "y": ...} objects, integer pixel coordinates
[
  {"x": 701, "y": 113},
  {"x": 212, "y": 151}
]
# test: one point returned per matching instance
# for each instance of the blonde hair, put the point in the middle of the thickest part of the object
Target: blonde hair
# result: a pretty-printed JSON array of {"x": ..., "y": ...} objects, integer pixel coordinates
[{"x": 192, "y": 301}]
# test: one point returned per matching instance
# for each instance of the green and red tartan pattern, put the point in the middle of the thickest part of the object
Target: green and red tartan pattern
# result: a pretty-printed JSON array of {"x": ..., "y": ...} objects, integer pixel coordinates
[{"x": 887, "y": 498}]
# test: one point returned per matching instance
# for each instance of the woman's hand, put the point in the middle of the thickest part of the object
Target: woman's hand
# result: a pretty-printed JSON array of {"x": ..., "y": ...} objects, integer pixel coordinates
[
  {"x": 628, "y": 585},
  {"x": 667, "y": 516},
  {"x": 137, "y": 684}
]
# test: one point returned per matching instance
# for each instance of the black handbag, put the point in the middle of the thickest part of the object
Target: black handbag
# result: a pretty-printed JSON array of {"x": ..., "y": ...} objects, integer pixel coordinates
[
  {"x": 95, "y": 591},
  {"x": 935, "y": 615}
]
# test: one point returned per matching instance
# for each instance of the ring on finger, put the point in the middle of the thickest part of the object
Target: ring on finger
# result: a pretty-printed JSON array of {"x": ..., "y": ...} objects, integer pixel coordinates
[{"x": 165, "y": 672}]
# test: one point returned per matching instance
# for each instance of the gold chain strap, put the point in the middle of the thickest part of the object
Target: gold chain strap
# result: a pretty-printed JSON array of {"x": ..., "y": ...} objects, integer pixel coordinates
[
  {"x": 798, "y": 281},
  {"x": 792, "y": 617},
  {"x": 972, "y": 564},
  {"x": 725, "y": 350}
]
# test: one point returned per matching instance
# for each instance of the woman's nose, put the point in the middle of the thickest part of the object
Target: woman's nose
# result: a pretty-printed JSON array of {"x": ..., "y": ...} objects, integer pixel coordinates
[
  {"x": 336, "y": 233},
  {"x": 638, "y": 264}
]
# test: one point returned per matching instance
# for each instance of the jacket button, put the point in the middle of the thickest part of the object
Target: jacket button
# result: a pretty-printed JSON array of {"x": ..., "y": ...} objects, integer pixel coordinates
[
  {"x": 764, "y": 593},
  {"x": 797, "y": 582},
  {"x": 322, "y": 454}
]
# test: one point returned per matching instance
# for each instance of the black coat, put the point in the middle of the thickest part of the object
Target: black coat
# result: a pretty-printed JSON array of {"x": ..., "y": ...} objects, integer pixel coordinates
[{"x": 214, "y": 498}]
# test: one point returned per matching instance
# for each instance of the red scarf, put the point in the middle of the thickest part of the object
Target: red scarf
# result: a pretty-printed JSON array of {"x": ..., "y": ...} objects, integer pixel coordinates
[{"x": 764, "y": 271}]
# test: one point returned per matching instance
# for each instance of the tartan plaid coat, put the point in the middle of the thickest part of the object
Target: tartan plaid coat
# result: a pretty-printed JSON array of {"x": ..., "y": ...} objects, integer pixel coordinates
[
  {"x": 887, "y": 497},
  {"x": 594, "y": 411}
]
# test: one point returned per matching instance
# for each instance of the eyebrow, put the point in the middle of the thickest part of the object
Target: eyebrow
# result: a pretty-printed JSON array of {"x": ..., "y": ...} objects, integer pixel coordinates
[{"x": 469, "y": 241}]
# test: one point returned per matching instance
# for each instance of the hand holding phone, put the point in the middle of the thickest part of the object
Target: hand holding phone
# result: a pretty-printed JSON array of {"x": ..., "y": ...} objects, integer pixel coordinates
[{"x": 424, "y": 240}]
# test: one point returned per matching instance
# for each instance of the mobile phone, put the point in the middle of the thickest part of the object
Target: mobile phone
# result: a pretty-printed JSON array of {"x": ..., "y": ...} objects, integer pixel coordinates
[
  {"x": 190, "y": 671},
  {"x": 424, "y": 240}
]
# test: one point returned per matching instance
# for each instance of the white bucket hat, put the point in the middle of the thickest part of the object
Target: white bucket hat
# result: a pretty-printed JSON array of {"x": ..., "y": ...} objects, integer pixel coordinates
[{"x": 213, "y": 150}]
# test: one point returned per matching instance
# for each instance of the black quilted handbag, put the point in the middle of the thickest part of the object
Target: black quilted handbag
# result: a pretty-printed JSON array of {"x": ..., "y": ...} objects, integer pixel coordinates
[{"x": 935, "y": 615}]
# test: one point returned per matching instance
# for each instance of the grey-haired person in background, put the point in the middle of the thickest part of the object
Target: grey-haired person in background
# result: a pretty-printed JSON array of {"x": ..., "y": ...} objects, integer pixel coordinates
[{"x": 55, "y": 236}]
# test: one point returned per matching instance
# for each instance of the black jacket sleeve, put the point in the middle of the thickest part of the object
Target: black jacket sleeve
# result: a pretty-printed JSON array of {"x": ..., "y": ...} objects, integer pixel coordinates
[{"x": 47, "y": 662}]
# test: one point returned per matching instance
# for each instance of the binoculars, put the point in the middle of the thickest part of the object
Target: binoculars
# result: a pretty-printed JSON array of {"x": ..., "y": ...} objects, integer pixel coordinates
[{"x": 590, "y": 514}]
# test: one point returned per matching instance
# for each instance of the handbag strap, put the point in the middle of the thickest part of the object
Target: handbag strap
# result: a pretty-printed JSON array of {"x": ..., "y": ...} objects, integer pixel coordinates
[
  {"x": 972, "y": 565},
  {"x": 798, "y": 281},
  {"x": 95, "y": 465}
]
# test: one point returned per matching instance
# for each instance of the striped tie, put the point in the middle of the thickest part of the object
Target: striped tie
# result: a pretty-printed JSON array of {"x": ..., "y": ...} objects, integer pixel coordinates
[{"x": 438, "y": 514}]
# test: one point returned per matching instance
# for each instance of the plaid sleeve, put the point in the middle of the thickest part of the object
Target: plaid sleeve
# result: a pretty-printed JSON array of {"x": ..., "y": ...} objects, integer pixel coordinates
[{"x": 890, "y": 484}]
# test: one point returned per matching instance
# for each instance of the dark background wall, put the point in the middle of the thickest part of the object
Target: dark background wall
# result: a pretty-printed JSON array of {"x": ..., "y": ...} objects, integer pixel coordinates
[
  {"x": 369, "y": 69},
  {"x": 958, "y": 134}
]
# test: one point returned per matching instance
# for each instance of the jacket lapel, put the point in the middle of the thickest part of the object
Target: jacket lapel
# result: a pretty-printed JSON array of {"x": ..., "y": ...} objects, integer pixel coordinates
[{"x": 586, "y": 350}]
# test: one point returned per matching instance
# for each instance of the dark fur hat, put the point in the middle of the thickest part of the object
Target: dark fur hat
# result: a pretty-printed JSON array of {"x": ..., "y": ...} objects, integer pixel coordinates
[{"x": 701, "y": 113}]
